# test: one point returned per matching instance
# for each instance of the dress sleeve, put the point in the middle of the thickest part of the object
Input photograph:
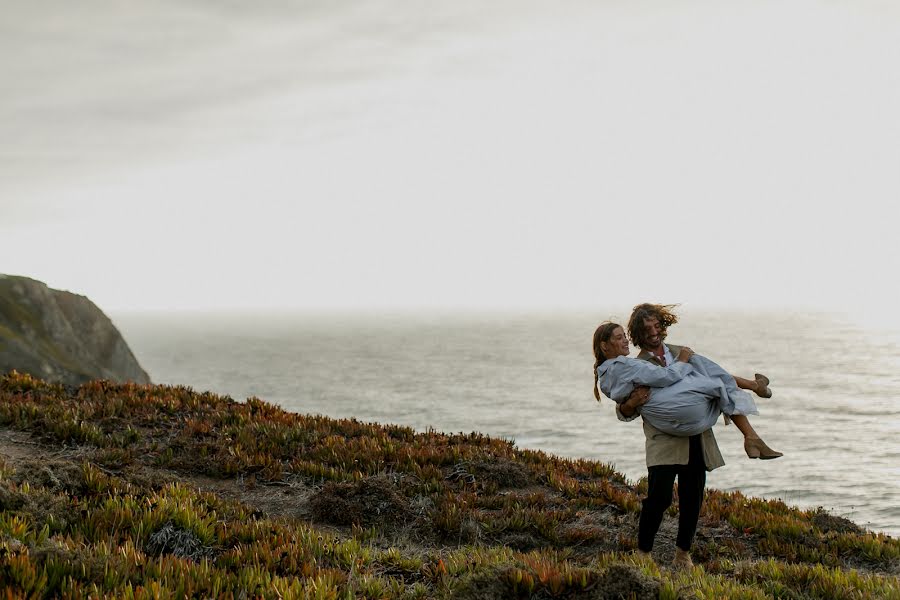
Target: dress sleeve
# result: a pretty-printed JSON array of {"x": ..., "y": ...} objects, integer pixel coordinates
[
  {"x": 615, "y": 383},
  {"x": 642, "y": 372}
]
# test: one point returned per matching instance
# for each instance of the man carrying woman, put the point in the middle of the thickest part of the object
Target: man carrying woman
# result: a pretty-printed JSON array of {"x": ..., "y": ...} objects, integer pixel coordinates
[{"x": 688, "y": 393}]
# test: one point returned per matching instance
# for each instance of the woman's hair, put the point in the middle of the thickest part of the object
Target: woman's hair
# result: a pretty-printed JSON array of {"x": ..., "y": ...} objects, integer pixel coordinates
[
  {"x": 602, "y": 334},
  {"x": 662, "y": 312}
]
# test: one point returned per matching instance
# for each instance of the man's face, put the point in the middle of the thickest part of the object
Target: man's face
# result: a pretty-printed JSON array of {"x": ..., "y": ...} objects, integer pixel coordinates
[{"x": 654, "y": 334}]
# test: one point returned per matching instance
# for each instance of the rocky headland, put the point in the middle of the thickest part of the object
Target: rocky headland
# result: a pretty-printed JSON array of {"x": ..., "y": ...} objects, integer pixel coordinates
[{"x": 60, "y": 336}]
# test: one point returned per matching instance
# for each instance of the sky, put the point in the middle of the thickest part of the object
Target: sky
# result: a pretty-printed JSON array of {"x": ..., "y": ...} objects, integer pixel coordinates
[{"x": 215, "y": 154}]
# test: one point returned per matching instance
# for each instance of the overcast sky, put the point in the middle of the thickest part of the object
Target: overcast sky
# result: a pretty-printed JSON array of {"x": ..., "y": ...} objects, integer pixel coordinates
[{"x": 211, "y": 154}]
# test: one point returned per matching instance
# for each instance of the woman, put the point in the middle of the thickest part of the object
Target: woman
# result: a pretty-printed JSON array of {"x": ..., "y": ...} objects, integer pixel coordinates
[{"x": 686, "y": 397}]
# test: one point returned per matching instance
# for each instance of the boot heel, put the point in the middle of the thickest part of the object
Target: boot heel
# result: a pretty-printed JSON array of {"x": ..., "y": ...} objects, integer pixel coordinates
[
  {"x": 751, "y": 450},
  {"x": 756, "y": 448}
]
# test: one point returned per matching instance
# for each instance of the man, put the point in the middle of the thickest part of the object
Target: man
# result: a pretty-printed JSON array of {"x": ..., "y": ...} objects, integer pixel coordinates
[{"x": 668, "y": 456}]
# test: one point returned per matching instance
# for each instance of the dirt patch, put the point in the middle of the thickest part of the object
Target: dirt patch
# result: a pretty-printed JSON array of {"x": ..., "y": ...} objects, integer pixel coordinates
[
  {"x": 288, "y": 498},
  {"x": 370, "y": 501},
  {"x": 625, "y": 581},
  {"x": 502, "y": 472},
  {"x": 618, "y": 582},
  {"x": 54, "y": 468},
  {"x": 521, "y": 541},
  {"x": 16, "y": 446},
  {"x": 595, "y": 531},
  {"x": 494, "y": 474}
]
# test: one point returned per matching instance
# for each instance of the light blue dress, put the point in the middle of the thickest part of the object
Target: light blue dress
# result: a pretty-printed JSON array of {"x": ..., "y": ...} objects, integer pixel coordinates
[{"x": 685, "y": 398}]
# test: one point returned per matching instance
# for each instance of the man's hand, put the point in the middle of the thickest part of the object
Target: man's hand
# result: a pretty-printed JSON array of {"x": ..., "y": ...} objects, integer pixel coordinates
[
  {"x": 635, "y": 400},
  {"x": 685, "y": 355}
]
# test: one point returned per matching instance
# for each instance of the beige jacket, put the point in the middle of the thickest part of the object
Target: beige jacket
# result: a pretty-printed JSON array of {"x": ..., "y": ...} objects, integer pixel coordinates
[{"x": 665, "y": 449}]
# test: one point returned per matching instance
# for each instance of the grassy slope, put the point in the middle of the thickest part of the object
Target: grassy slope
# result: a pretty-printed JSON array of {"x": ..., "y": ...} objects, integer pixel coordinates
[{"x": 369, "y": 511}]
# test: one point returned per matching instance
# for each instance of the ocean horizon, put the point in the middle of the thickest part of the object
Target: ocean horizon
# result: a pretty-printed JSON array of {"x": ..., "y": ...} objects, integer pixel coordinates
[{"x": 527, "y": 377}]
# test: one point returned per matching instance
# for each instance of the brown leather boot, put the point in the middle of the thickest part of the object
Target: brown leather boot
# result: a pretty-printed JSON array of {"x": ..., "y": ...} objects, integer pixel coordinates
[{"x": 756, "y": 448}]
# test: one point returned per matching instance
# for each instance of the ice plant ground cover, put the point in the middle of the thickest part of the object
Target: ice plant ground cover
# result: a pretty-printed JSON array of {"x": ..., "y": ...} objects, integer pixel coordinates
[{"x": 157, "y": 491}]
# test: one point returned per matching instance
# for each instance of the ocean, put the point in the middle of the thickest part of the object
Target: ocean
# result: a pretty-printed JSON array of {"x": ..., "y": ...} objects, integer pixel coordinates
[{"x": 528, "y": 377}]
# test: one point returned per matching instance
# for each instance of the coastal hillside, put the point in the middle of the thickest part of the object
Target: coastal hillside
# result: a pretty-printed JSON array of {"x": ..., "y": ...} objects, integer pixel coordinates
[
  {"x": 60, "y": 336},
  {"x": 142, "y": 491}
]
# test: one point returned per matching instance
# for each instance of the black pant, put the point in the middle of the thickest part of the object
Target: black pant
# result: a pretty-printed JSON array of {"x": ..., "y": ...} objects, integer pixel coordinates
[{"x": 661, "y": 480}]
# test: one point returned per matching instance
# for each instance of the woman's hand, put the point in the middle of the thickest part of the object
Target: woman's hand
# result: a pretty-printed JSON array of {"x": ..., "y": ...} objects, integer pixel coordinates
[{"x": 685, "y": 354}]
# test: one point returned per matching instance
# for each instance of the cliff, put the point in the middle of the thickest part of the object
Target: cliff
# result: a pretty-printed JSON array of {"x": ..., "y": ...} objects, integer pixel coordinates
[{"x": 60, "y": 336}]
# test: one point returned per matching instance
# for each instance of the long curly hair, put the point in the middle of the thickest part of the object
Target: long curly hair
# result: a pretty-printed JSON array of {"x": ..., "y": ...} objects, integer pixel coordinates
[
  {"x": 662, "y": 312},
  {"x": 602, "y": 334}
]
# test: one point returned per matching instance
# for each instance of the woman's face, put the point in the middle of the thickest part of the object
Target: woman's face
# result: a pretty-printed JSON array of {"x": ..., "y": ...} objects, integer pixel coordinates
[{"x": 617, "y": 344}]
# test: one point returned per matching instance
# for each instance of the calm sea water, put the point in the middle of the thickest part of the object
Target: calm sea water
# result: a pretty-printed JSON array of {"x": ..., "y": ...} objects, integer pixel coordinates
[{"x": 528, "y": 377}]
